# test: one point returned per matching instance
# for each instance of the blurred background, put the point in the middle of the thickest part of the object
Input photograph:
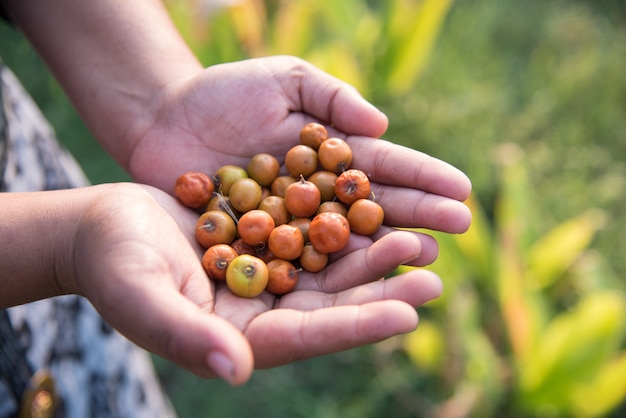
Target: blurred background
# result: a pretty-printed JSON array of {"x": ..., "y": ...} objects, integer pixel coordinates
[{"x": 529, "y": 99}]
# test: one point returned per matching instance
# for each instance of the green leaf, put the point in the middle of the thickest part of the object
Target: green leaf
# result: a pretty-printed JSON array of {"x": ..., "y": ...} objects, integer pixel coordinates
[
  {"x": 555, "y": 252},
  {"x": 415, "y": 49},
  {"x": 602, "y": 393},
  {"x": 572, "y": 349}
]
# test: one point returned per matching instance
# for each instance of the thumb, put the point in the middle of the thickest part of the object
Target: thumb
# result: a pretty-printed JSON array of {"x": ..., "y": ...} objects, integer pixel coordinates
[
  {"x": 168, "y": 324},
  {"x": 339, "y": 104}
]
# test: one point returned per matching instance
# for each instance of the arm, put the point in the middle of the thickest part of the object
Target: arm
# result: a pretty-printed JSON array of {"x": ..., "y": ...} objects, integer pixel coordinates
[
  {"x": 122, "y": 246},
  {"x": 111, "y": 57}
]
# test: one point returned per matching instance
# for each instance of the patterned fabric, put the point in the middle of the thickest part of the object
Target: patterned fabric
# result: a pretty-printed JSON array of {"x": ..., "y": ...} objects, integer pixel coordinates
[{"x": 97, "y": 372}]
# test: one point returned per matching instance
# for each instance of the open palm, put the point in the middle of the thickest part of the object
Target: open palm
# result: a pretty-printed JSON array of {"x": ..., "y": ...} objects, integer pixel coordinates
[
  {"x": 229, "y": 112},
  {"x": 137, "y": 262}
]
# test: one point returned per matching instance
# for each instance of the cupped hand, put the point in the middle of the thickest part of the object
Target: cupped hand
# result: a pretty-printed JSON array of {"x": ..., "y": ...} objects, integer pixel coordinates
[
  {"x": 229, "y": 112},
  {"x": 137, "y": 262}
]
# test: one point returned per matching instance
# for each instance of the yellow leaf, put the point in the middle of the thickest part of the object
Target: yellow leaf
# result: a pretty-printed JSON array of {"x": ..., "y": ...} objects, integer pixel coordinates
[
  {"x": 604, "y": 392},
  {"x": 413, "y": 55},
  {"x": 553, "y": 254}
]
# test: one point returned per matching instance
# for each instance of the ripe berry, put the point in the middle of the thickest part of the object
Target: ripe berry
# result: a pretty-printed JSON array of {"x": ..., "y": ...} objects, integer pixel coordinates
[
  {"x": 226, "y": 176},
  {"x": 313, "y": 134},
  {"x": 216, "y": 259},
  {"x": 329, "y": 232},
  {"x": 282, "y": 278},
  {"x": 302, "y": 198},
  {"x": 245, "y": 194},
  {"x": 194, "y": 189},
  {"x": 301, "y": 160},
  {"x": 263, "y": 168},
  {"x": 215, "y": 227},
  {"x": 335, "y": 155},
  {"x": 312, "y": 260},
  {"x": 247, "y": 276},
  {"x": 286, "y": 242},
  {"x": 365, "y": 216},
  {"x": 254, "y": 227},
  {"x": 325, "y": 181},
  {"x": 351, "y": 186}
]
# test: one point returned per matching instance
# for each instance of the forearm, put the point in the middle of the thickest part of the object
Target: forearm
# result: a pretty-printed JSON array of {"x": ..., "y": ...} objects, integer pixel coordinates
[
  {"x": 112, "y": 57},
  {"x": 37, "y": 231}
]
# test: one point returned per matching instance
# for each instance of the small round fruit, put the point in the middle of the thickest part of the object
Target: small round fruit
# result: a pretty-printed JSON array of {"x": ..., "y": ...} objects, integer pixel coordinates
[
  {"x": 283, "y": 277},
  {"x": 263, "y": 168},
  {"x": 313, "y": 134},
  {"x": 303, "y": 225},
  {"x": 221, "y": 202},
  {"x": 247, "y": 276},
  {"x": 215, "y": 227},
  {"x": 333, "y": 206},
  {"x": 226, "y": 176},
  {"x": 254, "y": 227},
  {"x": 312, "y": 260},
  {"x": 245, "y": 194},
  {"x": 281, "y": 183},
  {"x": 329, "y": 232},
  {"x": 286, "y": 242},
  {"x": 335, "y": 155},
  {"x": 365, "y": 216},
  {"x": 301, "y": 160},
  {"x": 276, "y": 207},
  {"x": 325, "y": 181},
  {"x": 302, "y": 198},
  {"x": 352, "y": 185},
  {"x": 194, "y": 189},
  {"x": 243, "y": 248},
  {"x": 264, "y": 253},
  {"x": 216, "y": 259}
]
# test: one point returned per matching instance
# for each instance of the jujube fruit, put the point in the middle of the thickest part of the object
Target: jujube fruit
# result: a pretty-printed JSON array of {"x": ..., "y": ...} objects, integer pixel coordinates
[
  {"x": 226, "y": 176},
  {"x": 216, "y": 259},
  {"x": 352, "y": 185},
  {"x": 276, "y": 207},
  {"x": 286, "y": 242},
  {"x": 302, "y": 198},
  {"x": 245, "y": 194},
  {"x": 312, "y": 260},
  {"x": 301, "y": 160},
  {"x": 365, "y": 216},
  {"x": 329, "y": 232},
  {"x": 263, "y": 168},
  {"x": 282, "y": 277},
  {"x": 247, "y": 276},
  {"x": 335, "y": 155},
  {"x": 215, "y": 227},
  {"x": 313, "y": 134},
  {"x": 325, "y": 181},
  {"x": 194, "y": 189},
  {"x": 254, "y": 227}
]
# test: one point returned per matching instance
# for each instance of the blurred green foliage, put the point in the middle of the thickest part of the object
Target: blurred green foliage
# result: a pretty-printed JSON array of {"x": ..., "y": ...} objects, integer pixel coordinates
[
  {"x": 529, "y": 99},
  {"x": 536, "y": 319}
]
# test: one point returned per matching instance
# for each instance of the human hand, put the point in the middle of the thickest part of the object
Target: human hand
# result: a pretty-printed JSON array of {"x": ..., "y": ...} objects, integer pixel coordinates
[
  {"x": 229, "y": 112},
  {"x": 137, "y": 261}
]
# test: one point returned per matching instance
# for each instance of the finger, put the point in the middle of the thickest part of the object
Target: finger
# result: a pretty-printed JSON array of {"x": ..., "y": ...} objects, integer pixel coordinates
[
  {"x": 168, "y": 324},
  {"x": 282, "y": 336},
  {"x": 409, "y": 208},
  {"x": 365, "y": 264},
  {"x": 334, "y": 102},
  {"x": 396, "y": 165},
  {"x": 414, "y": 287}
]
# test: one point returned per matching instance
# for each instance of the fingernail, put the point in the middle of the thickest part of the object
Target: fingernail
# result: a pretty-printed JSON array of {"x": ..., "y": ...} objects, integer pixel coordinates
[{"x": 222, "y": 366}]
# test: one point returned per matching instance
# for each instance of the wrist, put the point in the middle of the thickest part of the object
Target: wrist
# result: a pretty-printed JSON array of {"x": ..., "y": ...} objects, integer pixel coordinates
[{"x": 39, "y": 230}]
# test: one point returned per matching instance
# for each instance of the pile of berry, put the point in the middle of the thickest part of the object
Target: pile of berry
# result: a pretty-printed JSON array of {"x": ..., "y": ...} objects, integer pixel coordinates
[{"x": 260, "y": 227}]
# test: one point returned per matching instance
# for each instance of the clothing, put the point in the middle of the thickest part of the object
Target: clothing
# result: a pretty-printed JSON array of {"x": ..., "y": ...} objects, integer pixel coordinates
[{"x": 97, "y": 372}]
